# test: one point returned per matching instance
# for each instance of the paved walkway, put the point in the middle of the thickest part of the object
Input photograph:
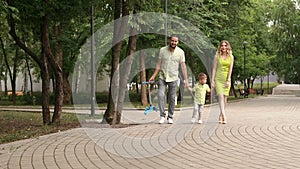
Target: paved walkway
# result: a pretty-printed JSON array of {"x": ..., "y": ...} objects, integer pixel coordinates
[
  {"x": 287, "y": 89},
  {"x": 261, "y": 133}
]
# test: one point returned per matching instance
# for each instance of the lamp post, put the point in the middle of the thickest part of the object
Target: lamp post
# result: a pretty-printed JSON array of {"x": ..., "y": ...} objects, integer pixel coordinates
[
  {"x": 93, "y": 97},
  {"x": 245, "y": 76},
  {"x": 166, "y": 22},
  {"x": 268, "y": 77}
]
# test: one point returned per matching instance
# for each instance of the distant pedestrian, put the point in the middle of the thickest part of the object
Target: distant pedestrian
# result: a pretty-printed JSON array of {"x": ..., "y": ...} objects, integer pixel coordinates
[
  {"x": 200, "y": 89},
  {"x": 169, "y": 59},
  {"x": 221, "y": 75}
]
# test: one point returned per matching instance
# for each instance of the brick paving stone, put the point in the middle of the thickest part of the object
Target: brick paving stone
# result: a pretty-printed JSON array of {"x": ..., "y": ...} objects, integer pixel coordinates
[{"x": 262, "y": 132}]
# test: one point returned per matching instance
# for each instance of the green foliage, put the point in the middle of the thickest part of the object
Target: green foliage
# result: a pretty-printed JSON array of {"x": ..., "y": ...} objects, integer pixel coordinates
[
  {"x": 250, "y": 25},
  {"x": 234, "y": 20},
  {"x": 284, "y": 28},
  {"x": 134, "y": 97},
  {"x": 205, "y": 15},
  {"x": 85, "y": 98},
  {"x": 102, "y": 97}
]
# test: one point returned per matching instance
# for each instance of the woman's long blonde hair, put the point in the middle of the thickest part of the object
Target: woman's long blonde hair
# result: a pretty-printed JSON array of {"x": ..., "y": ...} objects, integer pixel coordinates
[{"x": 229, "y": 50}]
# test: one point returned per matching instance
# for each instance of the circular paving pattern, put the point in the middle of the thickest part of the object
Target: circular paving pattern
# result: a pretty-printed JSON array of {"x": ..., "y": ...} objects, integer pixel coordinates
[{"x": 261, "y": 133}]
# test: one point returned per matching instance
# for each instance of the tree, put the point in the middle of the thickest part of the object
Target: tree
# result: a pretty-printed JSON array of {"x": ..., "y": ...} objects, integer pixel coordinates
[
  {"x": 4, "y": 11},
  {"x": 143, "y": 79},
  {"x": 42, "y": 61},
  {"x": 285, "y": 21},
  {"x": 14, "y": 71},
  {"x": 112, "y": 114},
  {"x": 117, "y": 86},
  {"x": 55, "y": 63},
  {"x": 54, "y": 20}
]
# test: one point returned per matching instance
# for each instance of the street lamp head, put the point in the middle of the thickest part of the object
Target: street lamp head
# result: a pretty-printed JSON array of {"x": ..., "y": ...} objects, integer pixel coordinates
[{"x": 245, "y": 43}]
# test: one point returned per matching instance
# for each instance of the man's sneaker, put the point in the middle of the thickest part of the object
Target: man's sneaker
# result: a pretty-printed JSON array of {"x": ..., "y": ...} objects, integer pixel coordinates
[
  {"x": 200, "y": 121},
  {"x": 170, "y": 121},
  {"x": 162, "y": 120},
  {"x": 193, "y": 120}
]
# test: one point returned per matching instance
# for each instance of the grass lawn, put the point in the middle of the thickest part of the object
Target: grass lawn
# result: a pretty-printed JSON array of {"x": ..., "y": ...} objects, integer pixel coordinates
[{"x": 16, "y": 125}]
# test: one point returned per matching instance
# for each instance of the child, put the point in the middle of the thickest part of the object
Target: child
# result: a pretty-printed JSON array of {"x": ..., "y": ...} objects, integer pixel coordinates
[{"x": 200, "y": 90}]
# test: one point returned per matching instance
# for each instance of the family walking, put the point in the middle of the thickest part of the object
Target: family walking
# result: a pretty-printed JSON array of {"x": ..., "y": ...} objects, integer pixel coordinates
[{"x": 171, "y": 58}]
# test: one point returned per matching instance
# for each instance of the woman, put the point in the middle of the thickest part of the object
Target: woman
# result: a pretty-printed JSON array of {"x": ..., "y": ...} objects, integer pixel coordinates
[{"x": 221, "y": 75}]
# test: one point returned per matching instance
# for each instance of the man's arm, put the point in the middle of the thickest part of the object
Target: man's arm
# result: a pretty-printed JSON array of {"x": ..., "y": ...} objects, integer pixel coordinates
[
  {"x": 185, "y": 76},
  {"x": 157, "y": 69}
]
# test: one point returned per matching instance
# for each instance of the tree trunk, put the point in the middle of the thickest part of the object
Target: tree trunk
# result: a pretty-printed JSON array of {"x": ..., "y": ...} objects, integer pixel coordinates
[
  {"x": 7, "y": 65},
  {"x": 57, "y": 63},
  {"x": 111, "y": 115},
  {"x": 143, "y": 79},
  {"x": 5, "y": 59},
  {"x": 181, "y": 89},
  {"x": 181, "y": 85},
  {"x": 30, "y": 76},
  {"x": 56, "y": 66},
  {"x": 25, "y": 74},
  {"x": 248, "y": 83},
  {"x": 45, "y": 91},
  {"x": 126, "y": 70},
  {"x": 111, "y": 106},
  {"x": 14, "y": 75},
  {"x": 111, "y": 111},
  {"x": 5, "y": 83},
  {"x": 67, "y": 90},
  {"x": 181, "y": 77},
  {"x": 59, "y": 95}
]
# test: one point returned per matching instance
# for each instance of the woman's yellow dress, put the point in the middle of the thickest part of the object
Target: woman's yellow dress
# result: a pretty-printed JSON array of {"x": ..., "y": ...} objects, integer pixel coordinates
[{"x": 223, "y": 66}]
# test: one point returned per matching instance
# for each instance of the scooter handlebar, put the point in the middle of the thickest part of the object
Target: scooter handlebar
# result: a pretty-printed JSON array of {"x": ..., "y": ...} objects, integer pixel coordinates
[{"x": 148, "y": 82}]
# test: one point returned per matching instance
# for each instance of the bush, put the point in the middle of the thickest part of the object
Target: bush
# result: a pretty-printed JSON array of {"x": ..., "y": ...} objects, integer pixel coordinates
[
  {"x": 85, "y": 98},
  {"x": 81, "y": 98},
  {"x": 29, "y": 99},
  {"x": 102, "y": 97},
  {"x": 134, "y": 97}
]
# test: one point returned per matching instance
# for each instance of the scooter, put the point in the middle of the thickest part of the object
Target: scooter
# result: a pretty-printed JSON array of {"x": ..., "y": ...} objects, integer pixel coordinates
[{"x": 151, "y": 107}]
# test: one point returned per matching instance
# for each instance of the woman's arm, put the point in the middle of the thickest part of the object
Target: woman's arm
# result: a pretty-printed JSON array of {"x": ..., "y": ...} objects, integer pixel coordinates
[{"x": 230, "y": 68}]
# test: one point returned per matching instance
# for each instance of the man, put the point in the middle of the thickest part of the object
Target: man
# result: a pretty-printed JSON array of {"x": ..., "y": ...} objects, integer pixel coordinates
[{"x": 169, "y": 59}]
